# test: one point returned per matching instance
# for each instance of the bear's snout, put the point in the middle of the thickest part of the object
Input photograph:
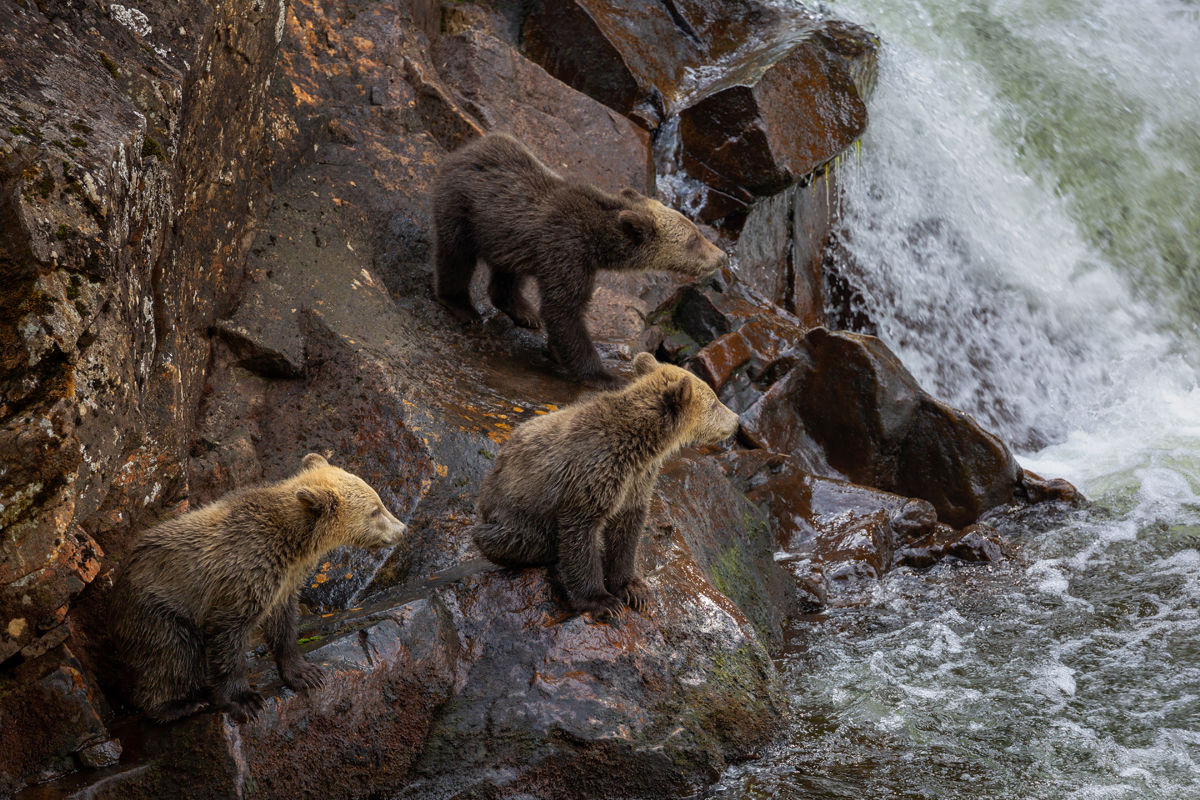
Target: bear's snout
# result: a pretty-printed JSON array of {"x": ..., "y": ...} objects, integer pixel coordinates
[
  {"x": 394, "y": 531},
  {"x": 732, "y": 423}
]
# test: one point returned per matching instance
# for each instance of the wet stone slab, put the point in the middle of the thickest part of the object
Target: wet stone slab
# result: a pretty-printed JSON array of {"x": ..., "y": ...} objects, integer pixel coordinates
[{"x": 386, "y": 673}]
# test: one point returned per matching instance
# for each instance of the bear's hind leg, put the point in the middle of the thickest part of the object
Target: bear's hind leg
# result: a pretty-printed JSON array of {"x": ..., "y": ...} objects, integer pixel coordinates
[
  {"x": 167, "y": 655},
  {"x": 505, "y": 291},
  {"x": 280, "y": 631},
  {"x": 510, "y": 548},
  {"x": 456, "y": 256}
]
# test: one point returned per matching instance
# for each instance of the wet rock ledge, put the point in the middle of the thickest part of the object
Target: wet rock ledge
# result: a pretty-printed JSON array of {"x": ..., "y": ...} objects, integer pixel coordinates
[{"x": 215, "y": 258}]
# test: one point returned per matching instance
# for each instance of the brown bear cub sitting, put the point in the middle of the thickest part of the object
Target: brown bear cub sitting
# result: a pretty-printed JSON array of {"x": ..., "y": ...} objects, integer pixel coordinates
[
  {"x": 193, "y": 589},
  {"x": 493, "y": 199},
  {"x": 573, "y": 486}
]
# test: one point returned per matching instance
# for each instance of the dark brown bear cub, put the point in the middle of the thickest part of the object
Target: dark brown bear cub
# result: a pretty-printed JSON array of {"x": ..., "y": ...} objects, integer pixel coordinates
[
  {"x": 573, "y": 487},
  {"x": 494, "y": 200},
  {"x": 193, "y": 589}
]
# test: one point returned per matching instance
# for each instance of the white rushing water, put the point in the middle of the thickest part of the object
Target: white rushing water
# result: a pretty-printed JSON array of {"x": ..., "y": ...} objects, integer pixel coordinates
[{"x": 1025, "y": 228}]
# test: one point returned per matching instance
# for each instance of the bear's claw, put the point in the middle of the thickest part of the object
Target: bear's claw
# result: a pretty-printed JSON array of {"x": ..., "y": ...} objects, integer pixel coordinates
[
  {"x": 462, "y": 311},
  {"x": 603, "y": 607},
  {"x": 523, "y": 317},
  {"x": 245, "y": 705},
  {"x": 637, "y": 594},
  {"x": 302, "y": 676}
]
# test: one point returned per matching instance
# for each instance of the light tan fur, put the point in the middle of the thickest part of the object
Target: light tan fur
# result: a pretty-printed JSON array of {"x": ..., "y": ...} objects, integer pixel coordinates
[
  {"x": 194, "y": 588},
  {"x": 573, "y": 487}
]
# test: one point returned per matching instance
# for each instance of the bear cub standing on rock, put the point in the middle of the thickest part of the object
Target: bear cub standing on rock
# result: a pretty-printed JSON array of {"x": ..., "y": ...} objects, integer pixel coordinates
[
  {"x": 493, "y": 199},
  {"x": 573, "y": 486},
  {"x": 194, "y": 588}
]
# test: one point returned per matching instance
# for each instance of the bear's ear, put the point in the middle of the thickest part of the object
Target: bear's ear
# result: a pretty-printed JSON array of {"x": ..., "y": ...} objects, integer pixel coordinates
[
  {"x": 632, "y": 194},
  {"x": 677, "y": 396},
  {"x": 644, "y": 364},
  {"x": 313, "y": 460},
  {"x": 317, "y": 501},
  {"x": 636, "y": 225}
]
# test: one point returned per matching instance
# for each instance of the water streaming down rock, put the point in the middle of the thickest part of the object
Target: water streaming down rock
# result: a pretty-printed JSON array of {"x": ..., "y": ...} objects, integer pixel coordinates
[{"x": 1023, "y": 233}]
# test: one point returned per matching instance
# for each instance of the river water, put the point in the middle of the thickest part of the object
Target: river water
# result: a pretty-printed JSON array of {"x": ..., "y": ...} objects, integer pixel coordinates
[{"x": 1024, "y": 221}]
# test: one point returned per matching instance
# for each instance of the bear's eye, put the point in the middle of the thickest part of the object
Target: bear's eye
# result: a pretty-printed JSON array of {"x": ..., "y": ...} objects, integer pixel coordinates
[{"x": 376, "y": 513}]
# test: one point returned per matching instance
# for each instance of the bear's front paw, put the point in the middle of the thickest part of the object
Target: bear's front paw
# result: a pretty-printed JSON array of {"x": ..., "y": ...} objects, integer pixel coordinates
[
  {"x": 602, "y": 607},
  {"x": 463, "y": 311},
  {"x": 524, "y": 317},
  {"x": 244, "y": 705},
  {"x": 301, "y": 675},
  {"x": 637, "y": 594}
]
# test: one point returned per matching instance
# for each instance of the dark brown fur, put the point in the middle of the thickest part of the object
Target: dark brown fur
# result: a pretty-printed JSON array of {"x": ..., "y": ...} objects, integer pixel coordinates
[
  {"x": 194, "y": 588},
  {"x": 493, "y": 200},
  {"x": 573, "y": 487}
]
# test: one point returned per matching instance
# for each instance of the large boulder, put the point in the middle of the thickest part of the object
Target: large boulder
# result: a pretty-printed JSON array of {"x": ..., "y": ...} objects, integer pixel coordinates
[
  {"x": 851, "y": 397},
  {"x": 645, "y": 59},
  {"x": 651, "y": 705},
  {"x": 767, "y": 134}
]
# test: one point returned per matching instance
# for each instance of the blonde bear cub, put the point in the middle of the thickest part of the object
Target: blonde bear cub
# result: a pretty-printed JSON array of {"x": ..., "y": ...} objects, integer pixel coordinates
[
  {"x": 195, "y": 588},
  {"x": 573, "y": 487}
]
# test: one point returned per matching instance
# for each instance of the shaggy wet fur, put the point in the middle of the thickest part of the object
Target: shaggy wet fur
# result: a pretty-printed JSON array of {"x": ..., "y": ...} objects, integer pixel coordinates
[
  {"x": 573, "y": 487},
  {"x": 493, "y": 200},
  {"x": 195, "y": 588}
]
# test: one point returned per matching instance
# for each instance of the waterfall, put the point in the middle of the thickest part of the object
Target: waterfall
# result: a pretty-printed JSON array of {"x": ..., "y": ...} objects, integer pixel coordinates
[{"x": 1023, "y": 224}]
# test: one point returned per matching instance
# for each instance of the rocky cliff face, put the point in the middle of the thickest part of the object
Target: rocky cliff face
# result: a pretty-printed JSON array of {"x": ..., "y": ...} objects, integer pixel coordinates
[{"x": 215, "y": 257}]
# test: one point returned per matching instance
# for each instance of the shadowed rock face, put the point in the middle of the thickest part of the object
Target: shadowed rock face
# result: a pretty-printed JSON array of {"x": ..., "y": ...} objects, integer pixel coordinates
[
  {"x": 125, "y": 185},
  {"x": 573, "y": 135}
]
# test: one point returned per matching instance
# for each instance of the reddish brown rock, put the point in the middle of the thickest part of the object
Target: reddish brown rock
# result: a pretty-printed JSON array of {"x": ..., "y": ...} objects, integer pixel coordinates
[
  {"x": 715, "y": 362},
  {"x": 1054, "y": 490},
  {"x": 573, "y": 135},
  {"x": 767, "y": 343},
  {"x": 783, "y": 244},
  {"x": 644, "y": 59},
  {"x": 48, "y": 711},
  {"x": 801, "y": 113},
  {"x": 764, "y": 246},
  {"x": 814, "y": 218},
  {"x": 913, "y": 519},
  {"x": 849, "y": 396},
  {"x": 854, "y": 548}
]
